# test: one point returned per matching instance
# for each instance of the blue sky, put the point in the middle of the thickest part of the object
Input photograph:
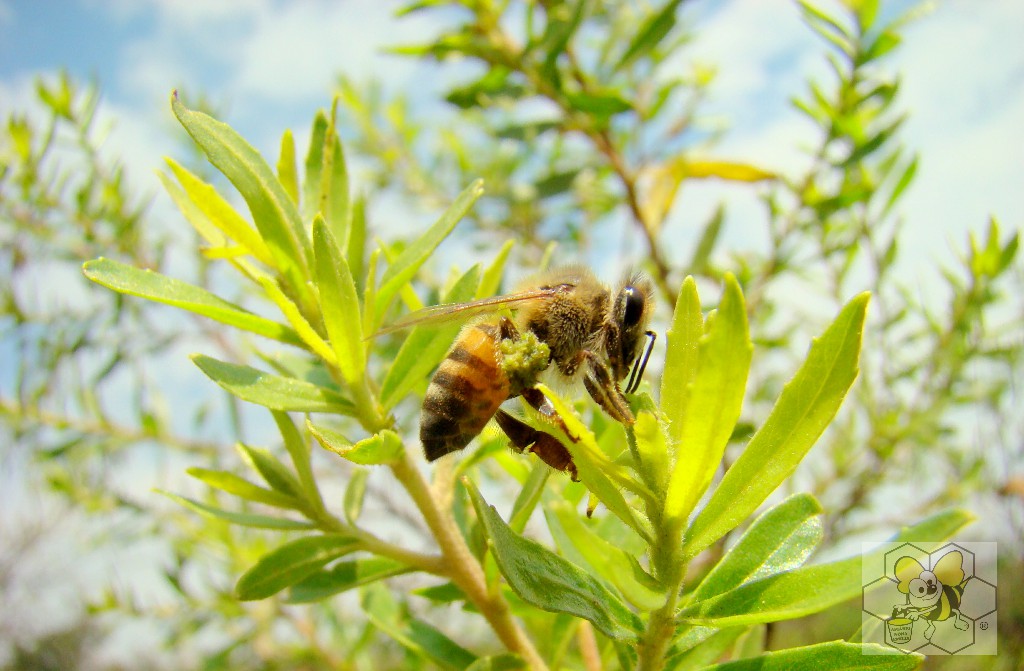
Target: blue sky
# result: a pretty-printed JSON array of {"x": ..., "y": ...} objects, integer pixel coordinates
[{"x": 269, "y": 65}]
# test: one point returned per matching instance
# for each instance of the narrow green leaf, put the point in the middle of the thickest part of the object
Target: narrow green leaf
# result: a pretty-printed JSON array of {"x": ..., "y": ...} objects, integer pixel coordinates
[
  {"x": 426, "y": 345},
  {"x": 711, "y": 403},
  {"x": 600, "y": 475},
  {"x": 335, "y": 181},
  {"x": 272, "y": 391},
  {"x": 779, "y": 540},
  {"x": 652, "y": 450},
  {"x": 651, "y": 33},
  {"x": 291, "y": 563},
  {"x": 809, "y": 589},
  {"x": 273, "y": 472},
  {"x": 503, "y": 662},
  {"x": 162, "y": 289},
  {"x": 610, "y": 562},
  {"x": 490, "y": 283},
  {"x": 381, "y": 448},
  {"x": 241, "y": 519},
  {"x": 707, "y": 242},
  {"x": 273, "y": 212},
  {"x": 547, "y": 581},
  {"x": 601, "y": 105},
  {"x": 287, "y": 171},
  {"x": 293, "y": 314},
  {"x": 906, "y": 177},
  {"x": 710, "y": 648},
  {"x": 355, "y": 244},
  {"x": 529, "y": 496},
  {"x": 832, "y": 656},
  {"x": 808, "y": 403},
  {"x": 355, "y": 494},
  {"x": 414, "y": 256},
  {"x": 416, "y": 636},
  {"x": 683, "y": 339},
  {"x": 344, "y": 576},
  {"x": 298, "y": 449},
  {"x": 339, "y": 304},
  {"x": 242, "y": 488},
  {"x": 311, "y": 186}
]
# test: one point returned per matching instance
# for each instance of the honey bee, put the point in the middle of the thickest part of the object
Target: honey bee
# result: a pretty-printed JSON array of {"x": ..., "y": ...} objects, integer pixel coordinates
[{"x": 591, "y": 333}]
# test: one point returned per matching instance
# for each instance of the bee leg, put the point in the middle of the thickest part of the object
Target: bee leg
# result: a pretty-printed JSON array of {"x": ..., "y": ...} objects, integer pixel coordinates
[
  {"x": 508, "y": 329},
  {"x": 526, "y": 438},
  {"x": 603, "y": 389},
  {"x": 539, "y": 402}
]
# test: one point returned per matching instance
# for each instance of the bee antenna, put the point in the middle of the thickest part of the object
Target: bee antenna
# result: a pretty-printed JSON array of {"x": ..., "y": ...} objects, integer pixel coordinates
[{"x": 641, "y": 364}]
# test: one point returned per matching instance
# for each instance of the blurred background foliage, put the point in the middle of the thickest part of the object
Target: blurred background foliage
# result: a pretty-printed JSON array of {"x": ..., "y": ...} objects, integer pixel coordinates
[{"x": 588, "y": 143}]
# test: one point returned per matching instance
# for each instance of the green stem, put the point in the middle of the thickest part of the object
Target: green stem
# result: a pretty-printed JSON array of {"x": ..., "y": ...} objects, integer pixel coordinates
[{"x": 463, "y": 568}]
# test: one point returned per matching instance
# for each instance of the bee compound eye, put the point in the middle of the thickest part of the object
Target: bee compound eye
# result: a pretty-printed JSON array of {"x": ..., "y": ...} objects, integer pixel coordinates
[{"x": 635, "y": 303}]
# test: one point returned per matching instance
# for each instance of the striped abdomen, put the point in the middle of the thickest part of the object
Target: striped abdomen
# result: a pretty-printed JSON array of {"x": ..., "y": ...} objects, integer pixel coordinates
[{"x": 465, "y": 392}]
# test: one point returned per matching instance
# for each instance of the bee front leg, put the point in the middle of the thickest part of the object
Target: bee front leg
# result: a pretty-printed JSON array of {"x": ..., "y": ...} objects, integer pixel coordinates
[
  {"x": 603, "y": 389},
  {"x": 526, "y": 438}
]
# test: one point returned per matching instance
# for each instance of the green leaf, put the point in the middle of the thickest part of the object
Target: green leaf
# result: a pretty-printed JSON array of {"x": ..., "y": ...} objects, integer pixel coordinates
[
  {"x": 426, "y": 345},
  {"x": 504, "y": 662},
  {"x": 311, "y": 188},
  {"x": 834, "y": 655},
  {"x": 287, "y": 172},
  {"x": 808, "y": 403},
  {"x": 652, "y": 450},
  {"x": 600, "y": 474},
  {"x": 339, "y": 304},
  {"x": 293, "y": 313},
  {"x": 292, "y": 562},
  {"x": 906, "y": 177},
  {"x": 414, "y": 256},
  {"x": 355, "y": 243},
  {"x": 273, "y": 212},
  {"x": 218, "y": 212},
  {"x": 344, "y": 576},
  {"x": 601, "y": 105},
  {"x": 711, "y": 404},
  {"x": 809, "y": 589},
  {"x": 708, "y": 240},
  {"x": 335, "y": 185},
  {"x": 545, "y": 580},
  {"x": 490, "y": 283},
  {"x": 610, "y": 562},
  {"x": 418, "y": 637},
  {"x": 683, "y": 338},
  {"x": 162, "y": 289},
  {"x": 355, "y": 493},
  {"x": 241, "y": 519},
  {"x": 780, "y": 539},
  {"x": 272, "y": 391},
  {"x": 273, "y": 472},
  {"x": 298, "y": 450},
  {"x": 381, "y": 448},
  {"x": 529, "y": 496},
  {"x": 651, "y": 33},
  {"x": 242, "y": 488}
]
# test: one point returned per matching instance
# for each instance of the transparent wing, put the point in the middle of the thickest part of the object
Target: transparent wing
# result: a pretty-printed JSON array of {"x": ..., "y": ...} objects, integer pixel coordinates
[{"x": 455, "y": 311}]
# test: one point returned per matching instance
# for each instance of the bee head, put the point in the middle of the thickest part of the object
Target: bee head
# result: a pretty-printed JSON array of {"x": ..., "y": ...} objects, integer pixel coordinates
[{"x": 631, "y": 313}]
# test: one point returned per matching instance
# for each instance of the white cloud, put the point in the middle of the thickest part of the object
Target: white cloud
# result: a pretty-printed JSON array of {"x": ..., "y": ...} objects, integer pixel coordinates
[{"x": 962, "y": 87}]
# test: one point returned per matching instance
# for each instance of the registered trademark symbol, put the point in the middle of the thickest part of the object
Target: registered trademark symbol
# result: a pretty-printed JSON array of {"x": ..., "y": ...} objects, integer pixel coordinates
[{"x": 983, "y": 625}]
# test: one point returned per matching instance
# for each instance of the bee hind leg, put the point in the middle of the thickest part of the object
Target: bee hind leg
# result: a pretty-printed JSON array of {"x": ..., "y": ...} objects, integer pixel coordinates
[{"x": 526, "y": 438}]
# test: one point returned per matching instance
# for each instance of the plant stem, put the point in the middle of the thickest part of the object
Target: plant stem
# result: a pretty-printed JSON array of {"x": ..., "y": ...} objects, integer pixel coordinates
[{"x": 463, "y": 568}]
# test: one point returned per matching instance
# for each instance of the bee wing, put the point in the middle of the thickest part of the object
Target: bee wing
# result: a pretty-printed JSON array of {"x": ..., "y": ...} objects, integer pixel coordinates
[{"x": 436, "y": 314}]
